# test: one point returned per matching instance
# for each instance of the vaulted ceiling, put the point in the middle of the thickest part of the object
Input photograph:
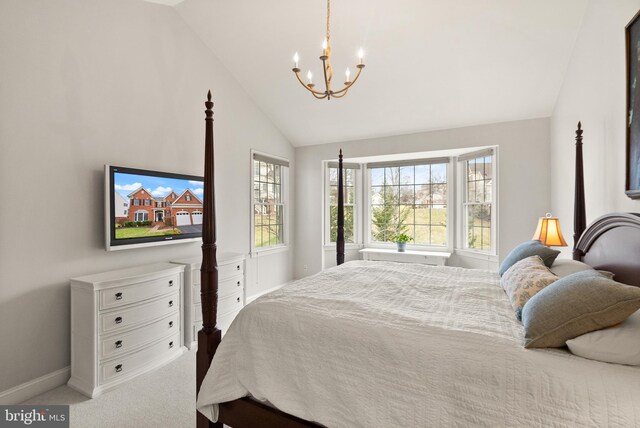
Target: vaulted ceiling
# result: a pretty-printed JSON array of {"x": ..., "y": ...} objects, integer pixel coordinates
[{"x": 430, "y": 64}]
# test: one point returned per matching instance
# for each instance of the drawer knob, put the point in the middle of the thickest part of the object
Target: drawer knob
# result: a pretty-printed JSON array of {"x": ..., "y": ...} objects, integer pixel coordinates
[
  {"x": 171, "y": 344},
  {"x": 171, "y": 283},
  {"x": 118, "y": 296},
  {"x": 170, "y": 303},
  {"x": 118, "y": 368},
  {"x": 238, "y": 283},
  {"x": 238, "y": 267},
  {"x": 118, "y": 343},
  {"x": 170, "y": 324},
  {"x": 118, "y": 320},
  {"x": 238, "y": 299}
]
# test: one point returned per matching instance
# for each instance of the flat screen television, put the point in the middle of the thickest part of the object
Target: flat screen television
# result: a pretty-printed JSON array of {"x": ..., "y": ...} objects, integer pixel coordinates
[{"x": 151, "y": 208}]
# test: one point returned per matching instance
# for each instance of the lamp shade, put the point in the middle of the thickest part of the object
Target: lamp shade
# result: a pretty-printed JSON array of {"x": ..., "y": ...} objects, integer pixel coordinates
[{"x": 548, "y": 232}]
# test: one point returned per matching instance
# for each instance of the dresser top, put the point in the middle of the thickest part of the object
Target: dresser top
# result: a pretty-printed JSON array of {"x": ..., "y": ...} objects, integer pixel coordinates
[
  {"x": 128, "y": 275},
  {"x": 222, "y": 258}
]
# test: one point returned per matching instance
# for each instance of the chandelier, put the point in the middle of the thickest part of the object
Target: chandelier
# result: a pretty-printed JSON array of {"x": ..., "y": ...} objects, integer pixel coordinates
[{"x": 328, "y": 69}]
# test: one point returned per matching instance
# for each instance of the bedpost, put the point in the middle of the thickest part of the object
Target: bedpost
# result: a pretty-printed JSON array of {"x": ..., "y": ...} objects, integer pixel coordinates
[
  {"x": 340, "y": 237},
  {"x": 579, "y": 212},
  {"x": 209, "y": 337}
]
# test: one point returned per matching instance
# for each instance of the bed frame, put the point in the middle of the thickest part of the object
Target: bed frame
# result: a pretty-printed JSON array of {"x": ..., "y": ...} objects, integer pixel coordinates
[{"x": 611, "y": 243}]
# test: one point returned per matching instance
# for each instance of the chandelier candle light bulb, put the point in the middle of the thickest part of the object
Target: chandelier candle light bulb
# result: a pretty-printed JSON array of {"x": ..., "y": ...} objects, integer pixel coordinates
[{"x": 327, "y": 69}]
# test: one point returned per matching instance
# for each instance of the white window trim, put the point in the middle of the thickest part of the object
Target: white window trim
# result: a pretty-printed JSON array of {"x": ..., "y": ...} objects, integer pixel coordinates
[
  {"x": 460, "y": 221},
  {"x": 284, "y": 179},
  {"x": 415, "y": 247},
  {"x": 357, "y": 209}
]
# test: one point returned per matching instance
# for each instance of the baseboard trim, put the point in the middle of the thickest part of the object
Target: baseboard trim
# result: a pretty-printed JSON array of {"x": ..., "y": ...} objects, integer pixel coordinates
[{"x": 32, "y": 388}]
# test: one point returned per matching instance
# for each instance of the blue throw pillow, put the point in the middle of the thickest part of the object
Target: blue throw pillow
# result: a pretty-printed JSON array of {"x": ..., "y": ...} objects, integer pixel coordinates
[{"x": 528, "y": 249}]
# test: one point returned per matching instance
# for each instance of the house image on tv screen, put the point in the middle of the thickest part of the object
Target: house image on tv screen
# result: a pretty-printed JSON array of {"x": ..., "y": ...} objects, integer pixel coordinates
[{"x": 170, "y": 214}]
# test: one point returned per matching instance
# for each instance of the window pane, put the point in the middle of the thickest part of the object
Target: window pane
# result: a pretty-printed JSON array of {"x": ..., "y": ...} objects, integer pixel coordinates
[
  {"x": 348, "y": 177},
  {"x": 406, "y": 175},
  {"x": 258, "y": 236},
  {"x": 391, "y": 175},
  {"x": 438, "y": 235},
  {"x": 423, "y": 174},
  {"x": 350, "y": 195},
  {"x": 406, "y": 195},
  {"x": 423, "y": 194},
  {"x": 377, "y": 195},
  {"x": 423, "y": 214},
  {"x": 333, "y": 176},
  {"x": 278, "y": 173},
  {"x": 377, "y": 176},
  {"x": 439, "y": 173},
  {"x": 263, "y": 172},
  {"x": 439, "y": 215},
  {"x": 423, "y": 235}
]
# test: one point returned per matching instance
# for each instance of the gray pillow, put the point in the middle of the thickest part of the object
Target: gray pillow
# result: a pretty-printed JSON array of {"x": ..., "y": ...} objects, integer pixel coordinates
[
  {"x": 574, "y": 305},
  {"x": 528, "y": 249}
]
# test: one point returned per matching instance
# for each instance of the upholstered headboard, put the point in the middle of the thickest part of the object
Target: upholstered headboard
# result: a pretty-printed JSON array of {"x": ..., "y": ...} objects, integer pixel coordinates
[{"x": 612, "y": 243}]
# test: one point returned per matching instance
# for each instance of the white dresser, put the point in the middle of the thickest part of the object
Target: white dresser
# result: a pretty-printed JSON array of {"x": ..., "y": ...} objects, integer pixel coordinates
[
  {"x": 124, "y": 323},
  {"x": 231, "y": 296}
]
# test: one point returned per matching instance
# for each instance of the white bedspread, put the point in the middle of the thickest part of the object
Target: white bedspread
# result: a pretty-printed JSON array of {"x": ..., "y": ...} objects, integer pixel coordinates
[{"x": 383, "y": 344}]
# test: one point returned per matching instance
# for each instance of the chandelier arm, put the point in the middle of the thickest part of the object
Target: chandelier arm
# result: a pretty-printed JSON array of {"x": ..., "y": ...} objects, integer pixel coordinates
[
  {"x": 342, "y": 93},
  {"x": 326, "y": 82},
  {"x": 346, "y": 88},
  {"x": 313, "y": 91},
  {"x": 320, "y": 97}
]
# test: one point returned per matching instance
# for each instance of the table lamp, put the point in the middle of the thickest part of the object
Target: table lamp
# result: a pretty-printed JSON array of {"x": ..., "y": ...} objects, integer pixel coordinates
[{"x": 548, "y": 232}]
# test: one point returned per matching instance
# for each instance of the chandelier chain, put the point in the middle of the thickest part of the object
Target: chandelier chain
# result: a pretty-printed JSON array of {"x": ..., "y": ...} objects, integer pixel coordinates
[{"x": 328, "y": 16}]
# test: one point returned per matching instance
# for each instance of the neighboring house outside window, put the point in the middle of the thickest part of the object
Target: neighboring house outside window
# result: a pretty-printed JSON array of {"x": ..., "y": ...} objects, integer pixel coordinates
[
  {"x": 409, "y": 199},
  {"x": 269, "y": 201},
  {"x": 478, "y": 199}
]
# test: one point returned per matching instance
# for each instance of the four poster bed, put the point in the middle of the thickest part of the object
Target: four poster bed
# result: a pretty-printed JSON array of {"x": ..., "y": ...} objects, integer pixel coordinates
[{"x": 342, "y": 349}]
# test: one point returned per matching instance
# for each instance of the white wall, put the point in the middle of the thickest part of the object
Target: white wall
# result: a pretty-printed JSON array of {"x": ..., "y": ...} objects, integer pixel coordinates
[
  {"x": 523, "y": 162},
  {"x": 85, "y": 83},
  {"x": 593, "y": 92}
]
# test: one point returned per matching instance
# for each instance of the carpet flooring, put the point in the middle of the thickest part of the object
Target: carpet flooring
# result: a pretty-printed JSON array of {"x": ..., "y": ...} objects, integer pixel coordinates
[{"x": 163, "y": 398}]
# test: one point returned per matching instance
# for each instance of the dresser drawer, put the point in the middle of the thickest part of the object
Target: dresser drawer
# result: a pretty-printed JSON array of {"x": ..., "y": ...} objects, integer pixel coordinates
[
  {"x": 130, "y": 364},
  {"x": 124, "y": 342},
  {"x": 141, "y": 314},
  {"x": 232, "y": 303},
  {"x": 225, "y": 288},
  {"x": 120, "y": 296},
  {"x": 230, "y": 270}
]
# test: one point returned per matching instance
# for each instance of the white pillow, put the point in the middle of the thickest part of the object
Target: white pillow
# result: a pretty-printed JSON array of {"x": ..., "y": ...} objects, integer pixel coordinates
[
  {"x": 565, "y": 267},
  {"x": 619, "y": 344}
]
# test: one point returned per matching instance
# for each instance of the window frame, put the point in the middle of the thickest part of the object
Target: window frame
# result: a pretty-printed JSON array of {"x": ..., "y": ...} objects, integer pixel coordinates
[
  {"x": 357, "y": 205},
  {"x": 462, "y": 165},
  {"x": 369, "y": 243},
  {"x": 284, "y": 193}
]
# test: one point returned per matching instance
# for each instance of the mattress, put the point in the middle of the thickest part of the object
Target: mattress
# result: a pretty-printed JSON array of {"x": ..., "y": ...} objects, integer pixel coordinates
[{"x": 396, "y": 344}]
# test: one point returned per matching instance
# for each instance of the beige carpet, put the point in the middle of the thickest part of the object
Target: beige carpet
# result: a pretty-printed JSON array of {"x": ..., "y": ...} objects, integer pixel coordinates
[{"x": 163, "y": 398}]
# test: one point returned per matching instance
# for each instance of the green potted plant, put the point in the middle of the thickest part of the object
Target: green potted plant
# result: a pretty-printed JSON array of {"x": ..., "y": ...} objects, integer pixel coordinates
[{"x": 401, "y": 241}]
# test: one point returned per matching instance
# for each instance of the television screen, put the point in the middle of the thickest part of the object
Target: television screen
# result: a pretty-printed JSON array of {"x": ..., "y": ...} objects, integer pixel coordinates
[{"x": 151, "y": 208}]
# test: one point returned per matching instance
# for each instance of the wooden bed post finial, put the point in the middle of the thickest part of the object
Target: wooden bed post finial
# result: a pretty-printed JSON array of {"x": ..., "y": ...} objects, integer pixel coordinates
[
  {"x": 579, "y": 210},
  {"x": 209, "y": 337},
  {"x": 340, "y": 237}
]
